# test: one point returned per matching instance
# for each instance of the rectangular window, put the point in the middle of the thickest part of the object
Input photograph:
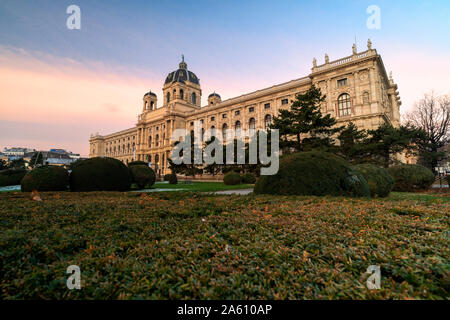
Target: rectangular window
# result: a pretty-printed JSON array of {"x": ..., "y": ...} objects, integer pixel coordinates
[
  {"x": 212, "y": 118},
  {"x": 237, "y": 112},
  {"x": 192, "y": 123},
  {"x": 267, "y": 106},
  {"x": 284, "y": 101},
  {"x": 224, "y": 116},
  {"x": 342, "y": 82},
  {"x": 201, "y": 121},
  {"x": 251, "y": 109}
]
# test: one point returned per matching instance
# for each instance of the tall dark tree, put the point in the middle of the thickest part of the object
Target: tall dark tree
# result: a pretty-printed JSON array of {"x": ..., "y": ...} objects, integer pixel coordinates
[
  {"x": 303, "y": 126},
  {"x": 431, "y": 115},
  {"x": 36, "y": 160},
  {"x": 17, "y": 164},
  {"x": 3, "y": 164},
  {"x": 387, "y": 141},
  {"x": 187, "y": 169},
  {"x": 352, "y": 146}
]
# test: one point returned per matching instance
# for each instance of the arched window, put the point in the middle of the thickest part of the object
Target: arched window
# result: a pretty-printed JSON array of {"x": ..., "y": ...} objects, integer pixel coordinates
[
  {"x": 252, "y": 125},
  {"x": 203, "y": 134},
  {"x": 194, "y": 98},
  {"x": 344, "y": 107},
  {"x": 168, "y": 97},
  {"x": 150, "y": 141},
  {"x": 237, "y": 128},
  {"x": 267, "y": 121},
  {"x": 181, "y": 94},
  {"x": 163, "y": 138},
  {"x": 123, "y": 149},
  {"x": 157, "y": 140},
  {"x": 213, "y": 131},
  {"x": 152, "y": 104},
  {"x": 224, "y": 132}
]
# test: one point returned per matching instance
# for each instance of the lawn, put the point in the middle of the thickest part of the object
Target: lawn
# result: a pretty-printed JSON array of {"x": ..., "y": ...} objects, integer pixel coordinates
[
  {"x": 184, "y": 245},
  {"x": 200, "y": 186}
]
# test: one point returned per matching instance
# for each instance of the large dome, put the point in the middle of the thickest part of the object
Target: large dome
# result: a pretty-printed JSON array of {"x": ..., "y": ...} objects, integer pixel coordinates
[{"x": 182, "y": 75}]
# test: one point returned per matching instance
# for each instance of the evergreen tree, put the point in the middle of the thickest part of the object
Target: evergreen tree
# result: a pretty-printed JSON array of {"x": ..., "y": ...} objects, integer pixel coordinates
[
  {"x": 387, "y": 141},
  {"x": 352, "y": 146},
  {"x": 302, "y": 126}
]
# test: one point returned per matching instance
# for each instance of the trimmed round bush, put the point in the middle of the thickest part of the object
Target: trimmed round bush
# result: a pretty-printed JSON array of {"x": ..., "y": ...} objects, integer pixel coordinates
[
  {"x": 232, "y": 178},
  {"x": 173, "y": 178},
  {"x": 248, "y": 178},
  {"x": 11, "y": 177},
  {"x": 100, "y": 174},
  {"x": 379, "y": 180},
  {"x": 314, "y": 173},
  {"x": 411, "y": 177},
  {"x": 46, "y": 178},
  {"x": 137, "y": 163},
  {"x": 142, "y": 175}
]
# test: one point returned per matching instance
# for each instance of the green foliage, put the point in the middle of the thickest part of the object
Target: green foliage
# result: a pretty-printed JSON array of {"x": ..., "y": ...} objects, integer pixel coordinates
[
  {"x": 248, "y": 178},
  {"x": 232, "y": 178},
  {"x": 3, "y": 165},
  {"x": 379, "y": 180},
  {"x": 173, "y": 178},
  {"x": 304, "y": 122},
  {"x": 203, "y": 247},
  {"x": 17, "y": 164},
  {"x": 166, "y": 177},
  {"x": 314, "y": 173},
  {"x": 352, "y": 146},
  {"x": 142, "y": 175},
  {"x": 386, "y": 141},
  {"x": 36, "y": 160},
  {"x": 137, "y": 163},
  {"x": 100, "y": 174},
  {"x": 11, "y": 177},
  {"x": 448, "y": 179},
  {"x": 46, "y": 178},
  {"x": 411, "y": 177}
]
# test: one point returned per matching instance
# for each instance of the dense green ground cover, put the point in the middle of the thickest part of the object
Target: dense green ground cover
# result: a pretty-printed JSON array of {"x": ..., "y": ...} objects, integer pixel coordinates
[
  {"x": 200, "y": 186},
  {"x": 185, "y": 245}
]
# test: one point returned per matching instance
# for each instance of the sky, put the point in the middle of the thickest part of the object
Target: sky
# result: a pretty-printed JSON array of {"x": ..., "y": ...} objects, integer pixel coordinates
[{"x": 58, "y": 86}]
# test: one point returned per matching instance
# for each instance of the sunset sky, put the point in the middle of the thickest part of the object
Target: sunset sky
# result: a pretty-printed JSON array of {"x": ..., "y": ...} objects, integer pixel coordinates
[{"x": 57, "y": 86}]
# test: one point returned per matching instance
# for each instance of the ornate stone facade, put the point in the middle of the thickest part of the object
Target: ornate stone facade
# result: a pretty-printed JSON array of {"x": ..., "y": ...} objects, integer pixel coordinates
[{"x": 357, "y": 89}]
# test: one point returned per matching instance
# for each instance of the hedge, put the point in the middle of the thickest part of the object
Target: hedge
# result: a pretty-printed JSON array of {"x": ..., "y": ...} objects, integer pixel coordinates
[
  {"x": 100, "y": 174},
  {"x": 46, "y": 178},
  {"x": 173, "y": 178},
  {"x": 314, "y": 173},
  {"x": 137, "y": 163},
  {"x": 11, "y": 177},
  {"x": 248, "y": 178},
  {"x": 411, "y": 177},
  {"x": 232, "y": 178},
  {"x": 379, "y": 180},
  {"x": 142, "y": 175}
]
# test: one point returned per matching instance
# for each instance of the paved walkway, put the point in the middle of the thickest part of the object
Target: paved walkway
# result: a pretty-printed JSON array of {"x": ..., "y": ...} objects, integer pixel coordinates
[{"x": 242, "y": 192}]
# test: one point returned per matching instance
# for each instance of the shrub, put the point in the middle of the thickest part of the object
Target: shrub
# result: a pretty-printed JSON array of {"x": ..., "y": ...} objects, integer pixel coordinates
[
  {"x": 167, "y": 177},
  {"x": 411, "y": 177},
  {"x": 137, "y": 163},
  {"x": 100, "y": 174},
  {"x": 232, "y": 178},
  {"x": 248, "y": 178},
  {"x": 379, "y": 180},
  {"x": 448, "y": 179},
  {"x": 173, "y": 178},
  {"x": 46, "y": 178},
  {"x": 142, "y": 175},
  {"x": 11, "y": 177},
  {"x": 314, "y": 173}
]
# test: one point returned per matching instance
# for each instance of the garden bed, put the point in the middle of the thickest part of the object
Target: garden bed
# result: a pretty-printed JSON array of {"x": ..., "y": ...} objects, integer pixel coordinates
[{"x": 186, "y": 245}]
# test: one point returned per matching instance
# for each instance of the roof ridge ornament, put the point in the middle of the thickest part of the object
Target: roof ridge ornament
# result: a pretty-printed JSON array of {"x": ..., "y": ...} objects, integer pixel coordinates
[{"x": 369, "y": 44}]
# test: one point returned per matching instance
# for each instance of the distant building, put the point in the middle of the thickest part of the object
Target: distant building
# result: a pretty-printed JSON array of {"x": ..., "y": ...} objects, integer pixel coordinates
[{"x": 17, "y": 152}]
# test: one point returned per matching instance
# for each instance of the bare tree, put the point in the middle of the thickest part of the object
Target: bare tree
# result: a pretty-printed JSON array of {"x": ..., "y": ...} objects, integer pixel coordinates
[{"x": 432, "y": 115}]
